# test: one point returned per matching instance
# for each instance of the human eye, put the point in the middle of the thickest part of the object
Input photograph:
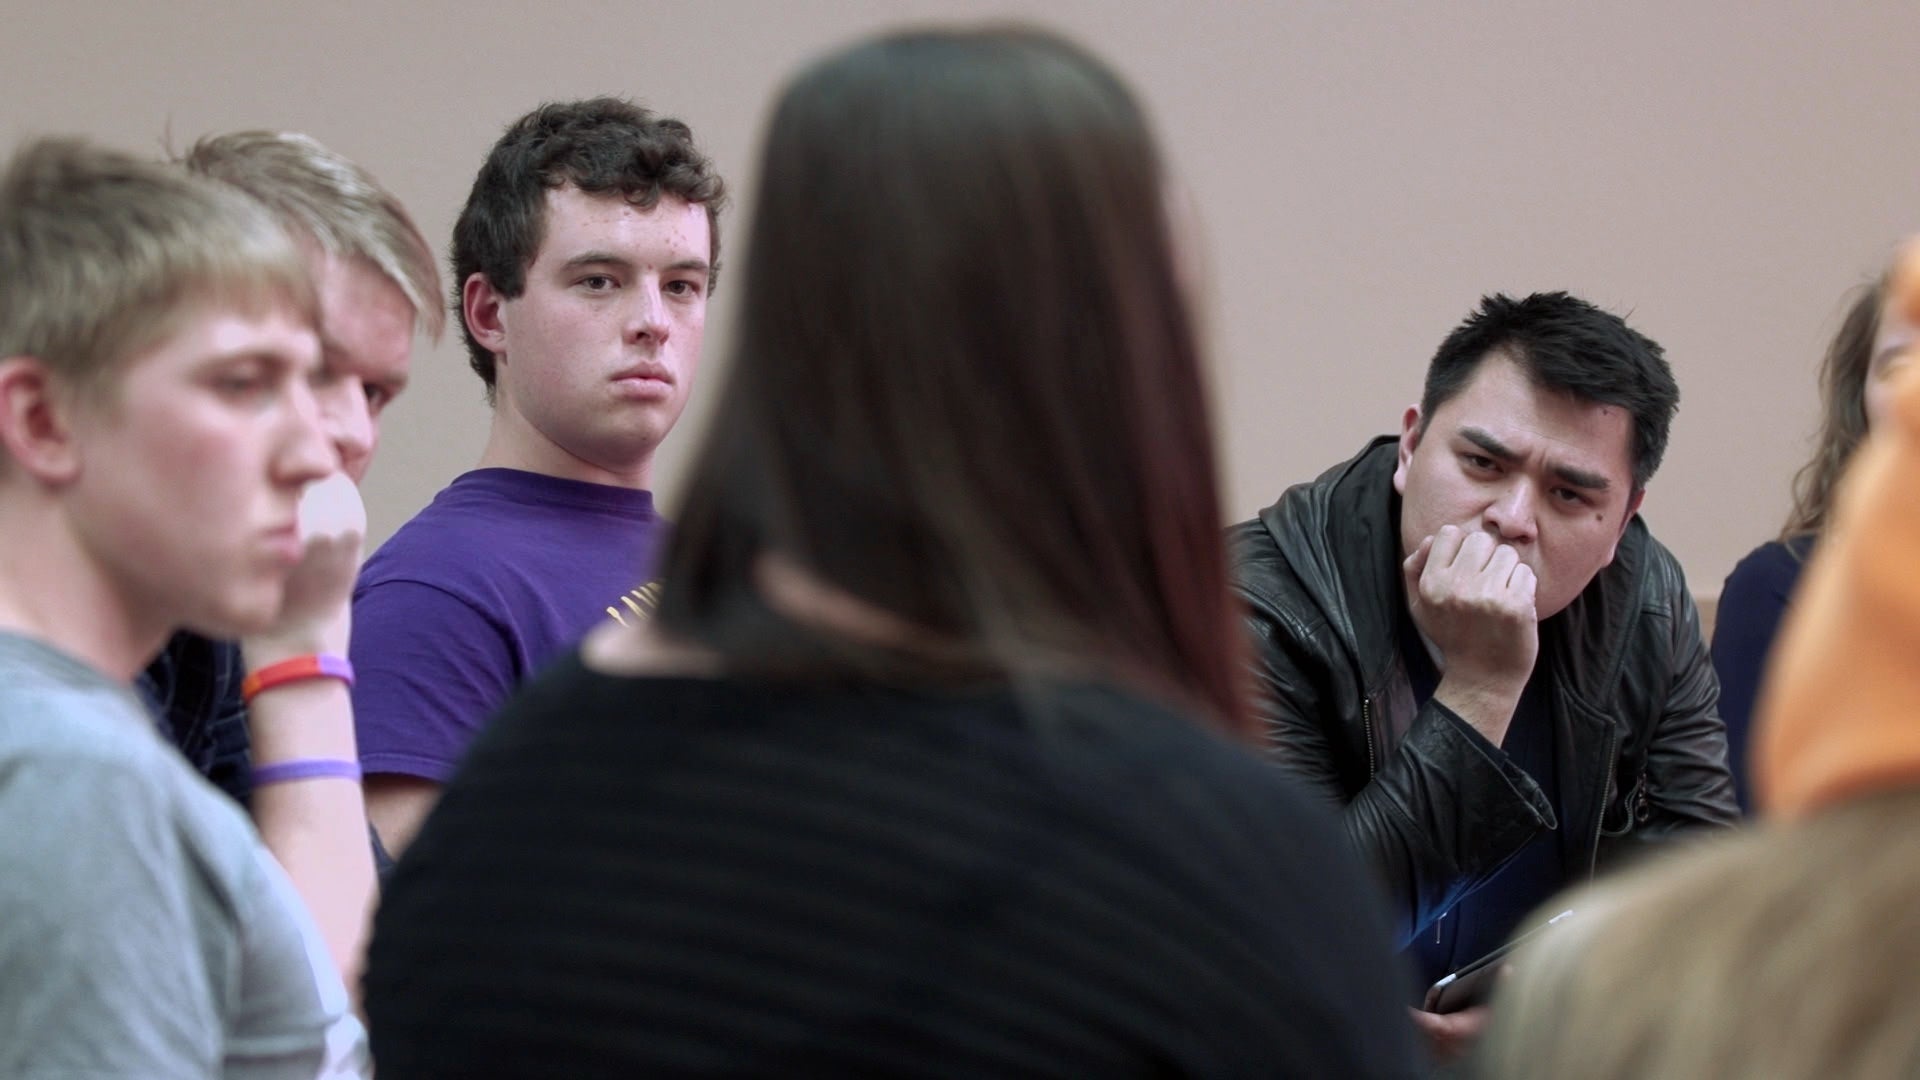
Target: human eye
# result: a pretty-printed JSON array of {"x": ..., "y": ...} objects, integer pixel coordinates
[
  {"x": 241, "y": 381},
  {"x": 1479, "y": 463},
  {"x": 377, "y": 397},
  {"x": 685, "y": 288},
  {"x": 1570, "y": 496},
  {"x": 598, "y": 283}
]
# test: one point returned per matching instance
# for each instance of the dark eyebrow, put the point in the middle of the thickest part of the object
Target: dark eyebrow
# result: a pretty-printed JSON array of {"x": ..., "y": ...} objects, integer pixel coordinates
[
  {"x": 1499, "y": 451},
  {"x": 1581, "y": 478},
  {"x": 1487, "y": 442}
]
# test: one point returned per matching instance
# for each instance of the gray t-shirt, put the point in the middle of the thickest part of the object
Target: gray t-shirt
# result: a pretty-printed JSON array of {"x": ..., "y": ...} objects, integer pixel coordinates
[{"x": 144, "y": 930}]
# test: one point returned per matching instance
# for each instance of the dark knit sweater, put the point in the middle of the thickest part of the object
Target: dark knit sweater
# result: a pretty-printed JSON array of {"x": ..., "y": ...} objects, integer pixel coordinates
[{"x": 645, "y": 877}]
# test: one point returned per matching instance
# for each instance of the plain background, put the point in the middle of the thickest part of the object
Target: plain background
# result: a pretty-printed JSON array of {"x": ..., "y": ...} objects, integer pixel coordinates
[{"x": 1721, "y": 170}]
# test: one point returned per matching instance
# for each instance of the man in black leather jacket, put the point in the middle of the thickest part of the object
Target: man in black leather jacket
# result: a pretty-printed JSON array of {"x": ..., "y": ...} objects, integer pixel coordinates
[{"x": 1469, "y": 641}]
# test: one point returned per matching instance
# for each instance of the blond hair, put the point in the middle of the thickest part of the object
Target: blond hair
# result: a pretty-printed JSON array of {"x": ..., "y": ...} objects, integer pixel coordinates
[
  {"x": 325, "y": 196},
  {"x": 102, "y": 255},
  {"x": 1788, "y": 952}
]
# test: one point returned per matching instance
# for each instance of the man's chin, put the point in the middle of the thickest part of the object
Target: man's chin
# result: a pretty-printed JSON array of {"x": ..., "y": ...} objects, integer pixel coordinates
[
  {"x": 235, "y": 617},
  {"x": 1541, "y": 614}
]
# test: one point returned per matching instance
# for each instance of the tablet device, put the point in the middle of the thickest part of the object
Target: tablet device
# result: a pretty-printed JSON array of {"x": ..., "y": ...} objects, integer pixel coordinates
[{"x": 1473, "y": 985}]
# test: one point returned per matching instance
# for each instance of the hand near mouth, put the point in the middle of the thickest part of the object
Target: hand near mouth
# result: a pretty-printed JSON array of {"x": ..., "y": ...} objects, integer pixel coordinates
[
  {"x": 314, "y": 615},
  {"x": 1473, "y": 598}
]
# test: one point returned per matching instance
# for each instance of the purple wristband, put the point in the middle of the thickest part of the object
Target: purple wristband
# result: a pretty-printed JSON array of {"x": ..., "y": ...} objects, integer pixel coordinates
[{"x": 305, "y": 769}]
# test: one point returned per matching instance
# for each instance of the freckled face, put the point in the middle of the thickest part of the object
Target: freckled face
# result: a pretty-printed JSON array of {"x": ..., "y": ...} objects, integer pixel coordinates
[
  {"x": 1547, "y": 473},
  {"x": 599, "y": 353}
]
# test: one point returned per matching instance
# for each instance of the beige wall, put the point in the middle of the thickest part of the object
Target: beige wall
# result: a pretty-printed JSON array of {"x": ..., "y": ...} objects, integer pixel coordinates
[{"x": 1722, "y": 169}]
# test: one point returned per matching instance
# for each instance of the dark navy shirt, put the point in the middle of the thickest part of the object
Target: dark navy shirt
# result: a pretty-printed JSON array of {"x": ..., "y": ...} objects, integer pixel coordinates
[
  {"x": 1486, "y": 917},
  {"x": 1752, "y": 603},
  {"x": 193, "y": 688}
]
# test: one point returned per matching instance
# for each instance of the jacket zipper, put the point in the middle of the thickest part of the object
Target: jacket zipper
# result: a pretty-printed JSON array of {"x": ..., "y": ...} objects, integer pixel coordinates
[
  {"x": 1600, "y": 815},
  {"x": 1366, "y": 725}
]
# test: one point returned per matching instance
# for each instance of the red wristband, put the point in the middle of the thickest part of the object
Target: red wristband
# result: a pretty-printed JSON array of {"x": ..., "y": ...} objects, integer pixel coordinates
[{"x": 298, "y": 669}]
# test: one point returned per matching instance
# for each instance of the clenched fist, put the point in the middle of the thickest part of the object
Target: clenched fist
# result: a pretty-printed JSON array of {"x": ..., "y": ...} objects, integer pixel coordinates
[
  {"x": 1472, "y": 597},
  {"x": 314, "y": 614}
]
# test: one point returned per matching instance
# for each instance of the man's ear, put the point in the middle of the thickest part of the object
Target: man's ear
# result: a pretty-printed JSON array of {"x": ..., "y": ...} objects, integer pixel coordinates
[
  {"x": 36, "y": 421},
  {"x": 1633, "y": 507},
  {"x": 480, "y": 307},
  {"x": 1409, "y": 440}
]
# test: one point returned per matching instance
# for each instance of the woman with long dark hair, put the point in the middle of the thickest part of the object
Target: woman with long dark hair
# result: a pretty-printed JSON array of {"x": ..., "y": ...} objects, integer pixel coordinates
[
  {"x": 1869, "y": 346},
  {"x": 928, "y": 762}
]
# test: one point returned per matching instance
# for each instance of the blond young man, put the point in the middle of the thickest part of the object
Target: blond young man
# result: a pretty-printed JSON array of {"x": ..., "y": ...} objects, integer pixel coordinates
[
  {"x": 158, "y": 425},
  {"x": 376, "y": 283}
]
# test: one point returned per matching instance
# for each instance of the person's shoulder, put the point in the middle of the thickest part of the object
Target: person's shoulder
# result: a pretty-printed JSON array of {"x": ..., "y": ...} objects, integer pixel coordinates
[
  {"x": 567, "y": 704},
  {"x": 83, "y": 737},
  {"x": 1772, "y": 562},
  {"x": 469, "y": 504},
  {"x": 449, "y": 541},
  {"x": 1353, "y": 490},
  {"x": 1252, "y": 549},
  {"x": 1218, "y": 839},
  {"x": 60, "y": 711},
  {"x": 1312, "y": 499},
  {"x": 94, "y": 751},
  {"x": 1292, "y": 557},
  {"x": 495, "y": 525},
  {"x": 1122, "y": 741},
  {"x": 1641, "y": 557},
  {"x": 1147, "y": 775},
  {"x": 1640, "y": 603},
  {"x": 194, "y": 667},
  {"x": 567, "y": 688},
  {"x": 98, "y": 740}
]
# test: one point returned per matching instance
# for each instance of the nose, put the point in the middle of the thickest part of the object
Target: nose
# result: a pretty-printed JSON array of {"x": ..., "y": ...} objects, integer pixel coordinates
[
  {"x": 348, "y": 423},
  {"x": 1511, "y": 516},
  {"x": 308, "y": 450},
  {"x": 648, "y": 319}
]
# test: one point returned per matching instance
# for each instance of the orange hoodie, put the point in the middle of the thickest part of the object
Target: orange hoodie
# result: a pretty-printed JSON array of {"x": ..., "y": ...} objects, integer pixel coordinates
[{"x": 1840, "y": 707}]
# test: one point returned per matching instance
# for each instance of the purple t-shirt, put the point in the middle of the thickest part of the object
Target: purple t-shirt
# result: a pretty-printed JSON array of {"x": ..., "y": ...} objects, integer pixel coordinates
[{"x": 503, "y": 571}]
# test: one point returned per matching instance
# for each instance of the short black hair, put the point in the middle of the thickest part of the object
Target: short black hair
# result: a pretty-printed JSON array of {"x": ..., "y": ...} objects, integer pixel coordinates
[
  {"x": 1566, "y": 344},
  {"x": 602, "y": 145}
]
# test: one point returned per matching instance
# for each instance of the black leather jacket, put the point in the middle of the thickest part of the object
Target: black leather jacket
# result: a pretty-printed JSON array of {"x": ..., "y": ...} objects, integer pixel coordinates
[{"x": 1430, "y": 803}]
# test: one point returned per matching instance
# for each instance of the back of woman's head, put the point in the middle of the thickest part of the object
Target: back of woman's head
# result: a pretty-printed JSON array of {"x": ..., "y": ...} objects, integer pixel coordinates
[
  {"x": 1786, "y": 952},
  {"x": 965, "y": 385}
]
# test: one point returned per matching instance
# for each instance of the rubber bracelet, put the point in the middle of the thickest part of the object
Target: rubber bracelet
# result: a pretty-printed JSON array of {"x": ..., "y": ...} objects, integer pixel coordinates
[
  {"x": 298, "y": 669},
  {"x": 305, "y": 769}
]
